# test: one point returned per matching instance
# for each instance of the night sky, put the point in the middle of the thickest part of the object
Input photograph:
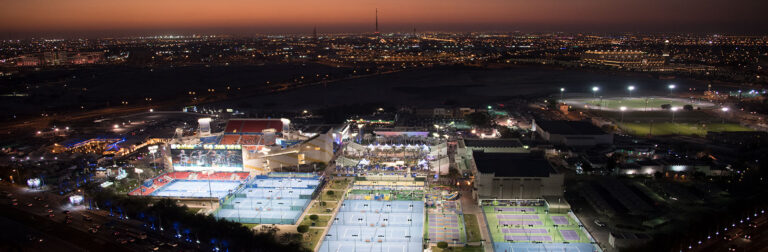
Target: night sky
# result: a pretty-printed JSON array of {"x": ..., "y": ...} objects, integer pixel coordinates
[{"x": 394, "y": 15}]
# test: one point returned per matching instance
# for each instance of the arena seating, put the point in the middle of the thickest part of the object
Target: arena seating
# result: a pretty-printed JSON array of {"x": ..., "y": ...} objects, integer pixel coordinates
[
  {"x": 253, "y": 125},
  {"x": 230, "y": 139}
]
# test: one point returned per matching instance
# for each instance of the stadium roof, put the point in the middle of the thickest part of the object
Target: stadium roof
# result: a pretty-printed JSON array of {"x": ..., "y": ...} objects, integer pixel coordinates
[
  {"x": 569, "y": 127},
  {"x": 513, "y": 164},
  {"x": 493, "y": 143},
  {"x": 253, "y": 125}
]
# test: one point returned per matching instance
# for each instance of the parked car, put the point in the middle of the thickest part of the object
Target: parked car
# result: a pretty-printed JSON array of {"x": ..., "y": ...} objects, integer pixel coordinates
[{"x": 599, "y": 223}]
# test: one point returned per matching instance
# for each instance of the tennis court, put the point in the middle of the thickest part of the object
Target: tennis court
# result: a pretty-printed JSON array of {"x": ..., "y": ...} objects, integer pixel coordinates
[
  {"x": 528, "y": 226},
  {"x": 197, "y": 188},
  {"x": 368, "y": 225},
  {"x": 543, "y": 247},
  {"x": 269, "y": 200}
]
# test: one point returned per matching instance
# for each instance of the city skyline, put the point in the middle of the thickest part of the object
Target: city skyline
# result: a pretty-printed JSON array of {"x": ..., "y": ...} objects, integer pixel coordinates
[{"x": 242, "y": 17}]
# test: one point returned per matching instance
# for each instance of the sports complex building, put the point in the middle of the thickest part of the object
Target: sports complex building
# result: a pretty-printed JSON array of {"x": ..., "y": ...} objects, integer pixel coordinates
[
  {"x": 232, "y": 172},
  {"x": 389, "y": 205}
]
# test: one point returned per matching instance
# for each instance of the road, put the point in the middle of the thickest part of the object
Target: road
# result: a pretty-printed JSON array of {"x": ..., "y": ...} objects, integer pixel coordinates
[
  {"x": 76, "y": 234},
  {"x": 734, "y": 239}
]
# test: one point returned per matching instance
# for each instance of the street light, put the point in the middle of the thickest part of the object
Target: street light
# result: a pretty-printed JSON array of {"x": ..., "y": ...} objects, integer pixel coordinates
[
  {"x": 671, "y": 88},
  {"x": 674, "y": 109},
  {"x": 594, "y": 91},
  {"x": 630, "y": 88},
  {"x": 623, "y": 108},
  {"x": 561, "y": 94},
  {"x": 725, "y": 111}
]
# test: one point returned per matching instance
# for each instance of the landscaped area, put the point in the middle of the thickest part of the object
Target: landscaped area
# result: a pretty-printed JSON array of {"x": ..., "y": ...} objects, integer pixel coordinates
[
  {"x": 311, "y": 238},
  {"x": 473, "y": 228},
  {"x": 323, "y": 207},
  {"x": 322, "y": 220}
]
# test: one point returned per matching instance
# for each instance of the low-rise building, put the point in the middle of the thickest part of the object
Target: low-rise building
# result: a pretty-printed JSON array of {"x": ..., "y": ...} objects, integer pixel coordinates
[{"x": 514, "y": 176}]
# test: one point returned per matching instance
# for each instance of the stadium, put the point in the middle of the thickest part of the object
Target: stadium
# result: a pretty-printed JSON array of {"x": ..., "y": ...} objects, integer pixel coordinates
[
  {"x": 191, "y": 185},
  {"x": 232, "y": 172}
]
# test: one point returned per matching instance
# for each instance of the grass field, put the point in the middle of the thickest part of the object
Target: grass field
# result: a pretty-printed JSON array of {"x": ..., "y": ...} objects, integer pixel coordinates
[
  {"x": 636, "y": 103},
  {"x": 668, "y": 128},
  {"x": 473, "y": 229},
  {"x": 322, "y": 221},
  {"x": 339, "y": 183},
  {"x": 311, "y": 238},
  {"x": 316, "y": 208},
  {"x": 335, "y": 197}
]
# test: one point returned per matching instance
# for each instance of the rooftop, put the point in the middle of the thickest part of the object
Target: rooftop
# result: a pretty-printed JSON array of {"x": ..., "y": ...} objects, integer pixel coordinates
[
  {"x": 513, "y": 164},
  {"x": 493, "y": 143}
]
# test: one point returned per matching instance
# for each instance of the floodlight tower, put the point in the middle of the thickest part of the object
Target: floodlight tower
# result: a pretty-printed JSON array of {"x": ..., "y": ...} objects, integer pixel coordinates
[
  {"x": 562, "y": 90},
  {"x": 623, "y": 108},
  {"x": 630, "y": 89},
  {"x": 725, "y": 112}
]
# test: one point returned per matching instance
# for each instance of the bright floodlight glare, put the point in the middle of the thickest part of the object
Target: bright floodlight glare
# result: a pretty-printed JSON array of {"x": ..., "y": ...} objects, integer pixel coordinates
[
  {"x": 672, "y": 86},
  {"x": 674, "y": 109},
  {"x": 630, "y": 88},
  {"x": 623, "y": 108},
  {"x": 724, "y": 109},
  {"x": 562, "y": 89},
  {"x": 595, "y": 89},
  {"x": 116, "y": 126}
]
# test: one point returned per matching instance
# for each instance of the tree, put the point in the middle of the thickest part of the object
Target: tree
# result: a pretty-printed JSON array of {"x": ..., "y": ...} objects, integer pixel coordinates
[
  {"x": 688, "y": 107},
  {"x": 478, "y": 119},
  {"x": 666, "y": 106},
  {"x": 314, "y": 217},
  {"x": 302, "y": 229},
  {"x": 329, "y": 193},
  {"x": 658, "y": 175},
  {"x": 505, "y": 132},
  {"x": 443, "y": 245}
]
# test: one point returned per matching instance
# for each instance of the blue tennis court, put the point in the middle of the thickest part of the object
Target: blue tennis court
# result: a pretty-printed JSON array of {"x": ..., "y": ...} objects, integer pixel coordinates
[
  {"x": 344, "y": 246},
  {"x": 268, "y": 200},
  {"x": 366, "y": 225},
  {"x": 197, "y": 188}
]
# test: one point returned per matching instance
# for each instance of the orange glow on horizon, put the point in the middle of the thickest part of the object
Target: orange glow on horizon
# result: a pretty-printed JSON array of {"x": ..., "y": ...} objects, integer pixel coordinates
[{"x": 122, "y": 14}]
